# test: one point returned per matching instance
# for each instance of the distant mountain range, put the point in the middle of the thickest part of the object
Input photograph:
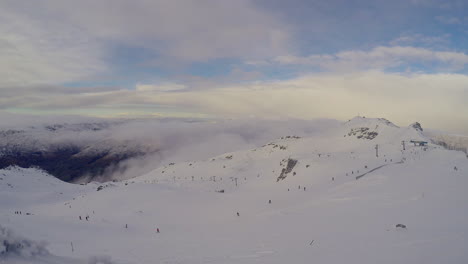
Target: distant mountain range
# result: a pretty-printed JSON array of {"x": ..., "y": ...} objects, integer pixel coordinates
[
  {"x": 87, "y": 151},
  {"x": 70, "y": 152}
]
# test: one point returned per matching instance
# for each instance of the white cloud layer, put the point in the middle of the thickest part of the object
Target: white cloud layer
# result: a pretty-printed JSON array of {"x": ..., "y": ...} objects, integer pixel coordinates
[
  {"x": 67, "y": 41},
  {"x": 381, "y": 57},
  {"x": 164, "y": 87},
  {"x": 36, "y": 52},
  {"x": 437, "y": 100}
]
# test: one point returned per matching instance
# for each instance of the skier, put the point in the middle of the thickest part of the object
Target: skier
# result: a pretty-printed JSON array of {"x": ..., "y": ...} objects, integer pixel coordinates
[
  {"x": 157, "y": 230},
  {"x": 269, "y": 201},
  {"x": 80, "y": 217},
  {"x": 238, "y": 214}
]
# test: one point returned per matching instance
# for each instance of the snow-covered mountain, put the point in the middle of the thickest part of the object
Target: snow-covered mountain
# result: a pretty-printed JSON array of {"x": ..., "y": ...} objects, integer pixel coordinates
[
  {"x": 118, "y": 149},
  {"x": 69, "y": 151},
  {"x": 336, "y": 196}
]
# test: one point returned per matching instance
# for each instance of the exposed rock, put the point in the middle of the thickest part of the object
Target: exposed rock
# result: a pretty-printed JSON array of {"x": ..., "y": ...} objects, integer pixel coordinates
[
  {"x": 289, "y": 167},
  {"x": 400, "y": 226},
  {"x": 363, "y": 133},
  {"x": 416, "y": 126}
]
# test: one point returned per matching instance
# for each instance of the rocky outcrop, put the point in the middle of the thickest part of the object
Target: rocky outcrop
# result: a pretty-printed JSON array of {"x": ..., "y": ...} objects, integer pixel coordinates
[
  {"x": 291, "y": 163},
  {"x": 417, "y": 126},
  {"x": 363, "y": 133}
]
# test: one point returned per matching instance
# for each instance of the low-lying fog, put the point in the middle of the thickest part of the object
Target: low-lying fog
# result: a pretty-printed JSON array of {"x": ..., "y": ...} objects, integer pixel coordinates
[{"x": 161, "y": 140}]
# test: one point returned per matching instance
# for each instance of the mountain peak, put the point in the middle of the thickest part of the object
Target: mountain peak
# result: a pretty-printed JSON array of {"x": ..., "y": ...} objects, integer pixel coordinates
[
  {"x": 417, "y": 126},
  {"x": 369, "y": 121}
]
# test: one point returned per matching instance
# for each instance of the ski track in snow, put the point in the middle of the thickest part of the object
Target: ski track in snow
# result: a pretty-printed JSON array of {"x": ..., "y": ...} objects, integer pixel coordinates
[{"x": 374, "y": 169}]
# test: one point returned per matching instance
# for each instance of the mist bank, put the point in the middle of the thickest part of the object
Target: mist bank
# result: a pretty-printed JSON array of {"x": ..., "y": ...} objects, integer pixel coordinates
[{"x": 81, "y": 149}]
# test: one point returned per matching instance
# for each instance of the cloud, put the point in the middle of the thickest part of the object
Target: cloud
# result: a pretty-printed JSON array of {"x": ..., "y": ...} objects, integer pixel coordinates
[
  {"x": 449, "y": 20},
  {"x": 403, "y": 98},
  {"x": 163, "y": 140},
  {"x": 188, "y": 30},
  {"x": 421, "y": 40},
  {"x": 379, "y": 58},
  {"x": 36, "y": 52},
  {"x": 438, "y": 100},
  {"x": 444, "y": 5},
  {"x": 163, "y": 87},
  {"x": 74, "y": 41}
]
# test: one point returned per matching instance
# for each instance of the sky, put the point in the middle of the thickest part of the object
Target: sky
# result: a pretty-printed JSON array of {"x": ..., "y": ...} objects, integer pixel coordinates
[{"x": 405, "y": 60}]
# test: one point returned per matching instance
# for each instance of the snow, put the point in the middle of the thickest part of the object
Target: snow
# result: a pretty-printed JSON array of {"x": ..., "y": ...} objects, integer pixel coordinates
[{"x": 336, "y": 219}]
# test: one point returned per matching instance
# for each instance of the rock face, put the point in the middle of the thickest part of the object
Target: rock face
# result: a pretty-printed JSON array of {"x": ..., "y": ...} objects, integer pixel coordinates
[
  {"x": 363, "y": 133},
  {"x": 417, "y": 126},
  {"x": 289, "y": 167},
  {"x": 400, "y": 226}
]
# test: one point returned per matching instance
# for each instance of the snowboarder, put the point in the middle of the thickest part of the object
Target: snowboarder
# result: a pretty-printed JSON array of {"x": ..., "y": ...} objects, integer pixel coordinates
[
  {"x": 304, "y": 189},
  {"x": 157, "y": 230},
  {"x": 126, "y": 226},
  {"x": 80, "y": 217},
  {"x": 333, "y": 178},
  {"x": 87, "y": 218},
  {"x": 269, "y": 201},
  {"x": 238, "y": 214}
]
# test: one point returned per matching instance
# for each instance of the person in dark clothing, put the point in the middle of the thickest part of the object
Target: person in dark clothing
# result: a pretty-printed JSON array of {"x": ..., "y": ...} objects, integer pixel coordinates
[{"x": 238, "y": 214}]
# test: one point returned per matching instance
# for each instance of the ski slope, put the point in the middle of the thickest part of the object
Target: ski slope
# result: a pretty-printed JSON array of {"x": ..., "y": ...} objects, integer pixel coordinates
[{"x": 319, "y": 211}]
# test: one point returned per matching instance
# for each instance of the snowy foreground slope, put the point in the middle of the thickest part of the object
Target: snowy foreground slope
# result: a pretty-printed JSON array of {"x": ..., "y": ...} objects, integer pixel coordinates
[{"x": 347, "y": 212}]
